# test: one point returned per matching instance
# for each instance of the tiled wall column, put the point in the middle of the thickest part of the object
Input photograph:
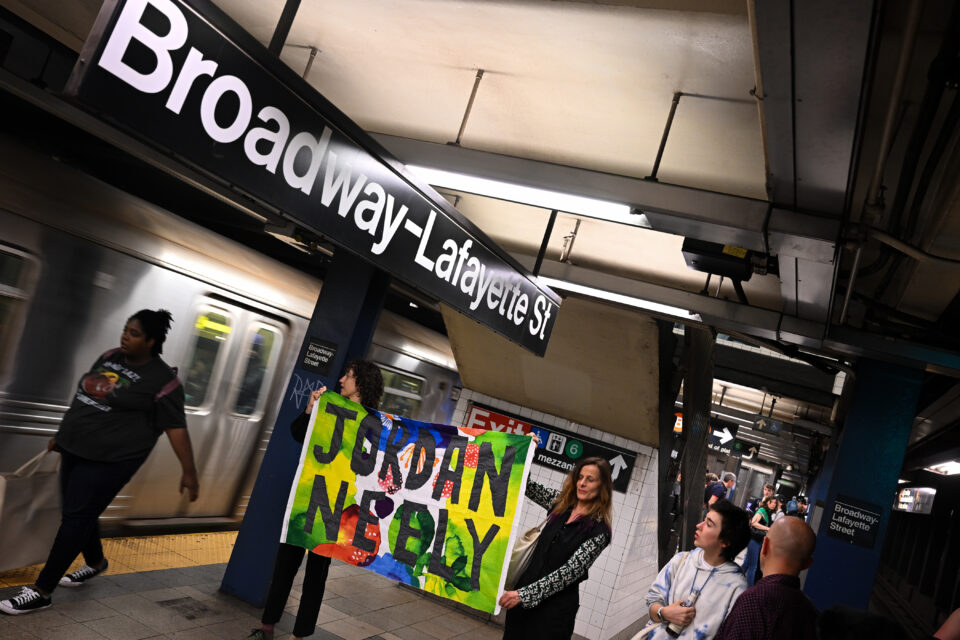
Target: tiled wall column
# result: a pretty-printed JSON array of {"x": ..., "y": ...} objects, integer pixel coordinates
[{"x": 611, "y": 601}]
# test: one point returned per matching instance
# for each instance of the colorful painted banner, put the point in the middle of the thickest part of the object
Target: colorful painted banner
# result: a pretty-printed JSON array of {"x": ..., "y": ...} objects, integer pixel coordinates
[{"x": 430, "y": 505}]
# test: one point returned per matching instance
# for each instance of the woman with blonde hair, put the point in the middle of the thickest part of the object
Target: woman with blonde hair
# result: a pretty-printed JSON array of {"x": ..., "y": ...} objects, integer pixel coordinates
[{"x": 577, "y": 529}]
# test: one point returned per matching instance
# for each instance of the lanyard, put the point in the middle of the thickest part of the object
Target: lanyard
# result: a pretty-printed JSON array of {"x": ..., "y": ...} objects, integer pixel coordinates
[{"x": 693, "y": 587}]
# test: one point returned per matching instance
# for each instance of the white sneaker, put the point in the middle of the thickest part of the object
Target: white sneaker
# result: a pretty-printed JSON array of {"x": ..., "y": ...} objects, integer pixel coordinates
[
  {"x": 27, "y": 601},
  {"x": 82, "y": 574}
]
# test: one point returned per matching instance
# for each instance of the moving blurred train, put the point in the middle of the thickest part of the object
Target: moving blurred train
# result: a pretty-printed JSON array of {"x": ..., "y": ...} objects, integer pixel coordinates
[{"x": 77, "y": 257}]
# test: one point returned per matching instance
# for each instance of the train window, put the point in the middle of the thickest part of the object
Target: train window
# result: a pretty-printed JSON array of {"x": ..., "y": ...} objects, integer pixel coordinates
[
  {"x": 261, "y": 348},
  {"x": 402, "y": 393},
  {"x": 13, "y": 294},
  {"x": 210, "y": 332}
]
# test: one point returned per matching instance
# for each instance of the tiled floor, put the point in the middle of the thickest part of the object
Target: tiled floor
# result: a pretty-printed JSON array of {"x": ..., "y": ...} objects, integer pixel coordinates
[{"x": 185, "y": 604}]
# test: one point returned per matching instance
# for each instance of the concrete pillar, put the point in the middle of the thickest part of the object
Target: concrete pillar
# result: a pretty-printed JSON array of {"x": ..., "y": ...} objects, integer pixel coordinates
[
  {"x": 868, "y": 460},
  {"x": 346, "y": 316}
]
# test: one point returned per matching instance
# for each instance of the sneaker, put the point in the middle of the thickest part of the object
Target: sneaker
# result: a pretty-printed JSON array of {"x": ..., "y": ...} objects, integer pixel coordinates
[
  {"x": 260, "y": 634},
  {"x": 27, "y": 601},
  {"x": 82, "y": 574}
]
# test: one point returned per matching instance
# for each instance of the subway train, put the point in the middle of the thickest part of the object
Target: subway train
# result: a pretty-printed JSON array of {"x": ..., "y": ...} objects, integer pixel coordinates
[{"x": 78, "y": 257}]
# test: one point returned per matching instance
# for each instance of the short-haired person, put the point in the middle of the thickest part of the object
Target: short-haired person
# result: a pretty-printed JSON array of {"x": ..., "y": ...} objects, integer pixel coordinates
[
  {"x": 775, "y": 607},
  {"x": 122, "y": 405},
  {"x": 705, "y": 578},
  {"x": 362, "y": 383},
  {"x": 578, "y": 529}
]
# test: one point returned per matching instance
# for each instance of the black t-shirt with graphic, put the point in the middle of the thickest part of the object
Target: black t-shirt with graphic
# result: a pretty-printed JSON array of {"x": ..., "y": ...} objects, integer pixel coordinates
[{"x": 119, "y": 410}]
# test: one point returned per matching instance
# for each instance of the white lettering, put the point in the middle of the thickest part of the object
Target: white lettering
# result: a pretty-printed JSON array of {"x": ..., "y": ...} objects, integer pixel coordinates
[
  {"x": 315, "y": 148},
  {"x": 496, "y": 291},
  {"x": 391, "y": 225},
  {"x": 469, "y": 279},
  {"x": 129, "y": 27},
  {"x": 193, "y": 67},
  {"x": 445, "y": 262},
  {"x": 477, "y": 417},
  {"x": 341, "y": 185},
  {"x": 483, "y": 285},
  {"x": 376, "y": 206},
  {"x": 277, "y": 139},
  {"x": 420, "y": 258},
  {"x": 520, "y": 309},
  {"x": 208, "y": 107}
]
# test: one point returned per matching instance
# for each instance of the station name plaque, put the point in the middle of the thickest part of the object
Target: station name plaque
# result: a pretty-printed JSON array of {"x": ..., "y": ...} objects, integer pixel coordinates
[{"x": 183, "y": 77}]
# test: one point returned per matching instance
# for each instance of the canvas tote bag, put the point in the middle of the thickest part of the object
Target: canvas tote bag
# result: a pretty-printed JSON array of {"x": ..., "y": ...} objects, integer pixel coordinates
[
  {"x": 29, "y": 511},
  {"x": 522, "y": 553}
]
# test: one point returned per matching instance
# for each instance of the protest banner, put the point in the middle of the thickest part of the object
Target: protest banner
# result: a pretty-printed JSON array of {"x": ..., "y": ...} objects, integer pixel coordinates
[{"x": 430, "y": 505}]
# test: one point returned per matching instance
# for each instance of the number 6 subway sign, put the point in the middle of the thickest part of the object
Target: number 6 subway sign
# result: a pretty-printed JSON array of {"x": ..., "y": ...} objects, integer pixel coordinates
[{"x": 188, "y": 80}]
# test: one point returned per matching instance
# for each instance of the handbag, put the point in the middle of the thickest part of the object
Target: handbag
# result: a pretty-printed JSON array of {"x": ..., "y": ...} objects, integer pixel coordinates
[
  {"x": 29, "y": 511},
  {"x": 522, "y": 553}
]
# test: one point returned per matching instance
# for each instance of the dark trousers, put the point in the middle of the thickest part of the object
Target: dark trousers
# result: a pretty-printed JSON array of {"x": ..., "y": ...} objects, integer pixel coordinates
[
  {"x": 285, "y": 569},
  {"x": 86, "y": 487}
]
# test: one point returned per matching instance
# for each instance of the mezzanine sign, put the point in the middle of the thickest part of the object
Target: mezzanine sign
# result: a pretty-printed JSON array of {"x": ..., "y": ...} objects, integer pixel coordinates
[{"x": 184, "y": 77}]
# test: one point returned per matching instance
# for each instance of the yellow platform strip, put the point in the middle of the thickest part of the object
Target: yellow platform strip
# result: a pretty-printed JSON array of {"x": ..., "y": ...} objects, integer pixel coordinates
[{"x": 149, "y": 553}]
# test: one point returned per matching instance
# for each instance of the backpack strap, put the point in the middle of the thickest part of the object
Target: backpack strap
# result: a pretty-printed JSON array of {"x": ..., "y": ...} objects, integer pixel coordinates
[{"x": 167, "y": 388}]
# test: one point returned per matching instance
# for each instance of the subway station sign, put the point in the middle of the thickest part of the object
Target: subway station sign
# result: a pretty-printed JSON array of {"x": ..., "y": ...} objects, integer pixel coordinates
[
  {"x": 558, "y": 449},
  {"x": 189, "y": 81}
]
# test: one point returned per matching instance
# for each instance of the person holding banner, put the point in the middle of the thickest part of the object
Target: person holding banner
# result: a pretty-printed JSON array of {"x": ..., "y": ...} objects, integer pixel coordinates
[
  {"x": 577, "y": 530},
  {"x": 122, "y": 405},
  {"x": 362, "y": 383}
]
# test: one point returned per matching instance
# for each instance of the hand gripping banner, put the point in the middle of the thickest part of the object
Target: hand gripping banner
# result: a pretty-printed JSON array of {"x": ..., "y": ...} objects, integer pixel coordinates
[{"x": 430, "y": 505}]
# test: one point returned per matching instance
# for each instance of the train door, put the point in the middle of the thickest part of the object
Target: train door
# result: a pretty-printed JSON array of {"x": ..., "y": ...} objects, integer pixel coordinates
[{"x": 228, "y": 374}]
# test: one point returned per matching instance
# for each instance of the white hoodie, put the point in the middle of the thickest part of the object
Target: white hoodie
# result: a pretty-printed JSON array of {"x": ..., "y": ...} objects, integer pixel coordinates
[{"x": 688, "y": 570}]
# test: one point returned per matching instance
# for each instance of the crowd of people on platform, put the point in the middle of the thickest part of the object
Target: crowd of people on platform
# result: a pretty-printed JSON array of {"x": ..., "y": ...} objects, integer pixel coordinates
[{"x": 130, "y": 397}]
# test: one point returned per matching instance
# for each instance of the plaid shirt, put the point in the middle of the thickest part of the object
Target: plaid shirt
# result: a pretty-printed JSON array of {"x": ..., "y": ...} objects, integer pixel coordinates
[{"x": 773, "y": 608}]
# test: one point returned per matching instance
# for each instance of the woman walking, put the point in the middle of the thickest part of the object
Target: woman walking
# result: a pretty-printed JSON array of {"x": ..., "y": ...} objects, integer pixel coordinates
[
  {"x": 545, "y": 602},
  {"x": 122, "y": 405}
]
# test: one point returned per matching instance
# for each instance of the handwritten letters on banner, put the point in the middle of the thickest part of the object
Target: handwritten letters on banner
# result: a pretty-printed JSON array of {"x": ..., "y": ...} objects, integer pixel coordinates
[{"x": 433, "y": 506}]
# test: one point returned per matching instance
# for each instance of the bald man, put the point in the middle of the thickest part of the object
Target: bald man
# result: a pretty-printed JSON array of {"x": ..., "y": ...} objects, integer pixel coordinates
[{"x": 775, "y": 607}]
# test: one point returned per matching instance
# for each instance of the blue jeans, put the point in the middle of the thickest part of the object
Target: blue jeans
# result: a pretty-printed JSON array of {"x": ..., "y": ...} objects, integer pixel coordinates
[
  {"x": 752, "y": 561},
  {"x": 87, "y": 487}
]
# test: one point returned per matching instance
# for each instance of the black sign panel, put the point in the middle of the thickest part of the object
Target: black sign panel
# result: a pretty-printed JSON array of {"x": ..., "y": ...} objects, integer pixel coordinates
[
  {"x": 185, "y": 78},
  {"x": 768, "y": 425},
  {"x": 558, "y": 449},
  {"x": 743, "y": 449},
  {"x": 855, "y": 521},
  {"x": 722, "y": 436},
  {"x": 317, "y": 356}
]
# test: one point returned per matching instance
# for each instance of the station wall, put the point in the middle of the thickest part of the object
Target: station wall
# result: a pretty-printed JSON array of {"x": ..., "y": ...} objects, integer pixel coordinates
[{"x": 611, "y": 601}]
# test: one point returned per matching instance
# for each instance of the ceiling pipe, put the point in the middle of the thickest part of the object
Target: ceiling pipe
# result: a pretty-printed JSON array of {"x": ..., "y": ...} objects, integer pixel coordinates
[
  {"x": 875, "y": 191},
  {"x": 663, "y": 139},
  {"x": 466, "y": 114},
  {"x": 874, "y": 204},
  {"x": 757, "y": 91},
  {"x": 545, "y": 242},
  {"x": 912, "y": 251}
]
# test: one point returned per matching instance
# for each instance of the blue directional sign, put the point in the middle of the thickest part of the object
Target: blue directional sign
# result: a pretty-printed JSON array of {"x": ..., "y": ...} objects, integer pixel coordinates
[{"x": 768, "y": 425}]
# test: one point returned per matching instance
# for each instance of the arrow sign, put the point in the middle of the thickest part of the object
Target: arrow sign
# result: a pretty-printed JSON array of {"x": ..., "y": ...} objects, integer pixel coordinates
[
  {"x": 768, "y": 425},
  {"x": 721, "y": 436},
  {"x": 752, "y": 452},
  {"x": 616, "y": 465}
]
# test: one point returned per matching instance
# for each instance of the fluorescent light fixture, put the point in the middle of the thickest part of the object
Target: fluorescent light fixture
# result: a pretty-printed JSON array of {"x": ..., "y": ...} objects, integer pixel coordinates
[
  {"x": 902, "y": 481},
  {"x": 640, "y": 303},
  {"x": 588, "y": 207},
  {"x": 951, "y": 468}
]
